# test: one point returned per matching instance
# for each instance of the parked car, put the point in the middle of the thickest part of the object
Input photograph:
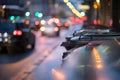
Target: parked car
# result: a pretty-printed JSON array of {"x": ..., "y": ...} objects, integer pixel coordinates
[{"x": 15, "y": 36}]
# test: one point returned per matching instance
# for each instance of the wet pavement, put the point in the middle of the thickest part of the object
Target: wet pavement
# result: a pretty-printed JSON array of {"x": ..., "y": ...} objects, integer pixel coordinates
[{"x": 81, "y": 64}]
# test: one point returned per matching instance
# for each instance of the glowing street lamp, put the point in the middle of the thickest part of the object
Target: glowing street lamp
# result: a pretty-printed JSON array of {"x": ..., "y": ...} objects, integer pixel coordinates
[
  {"x": 97, "y": 7},
  {"x": 98, "y": 1},
  {"x": 66, "y": 1}
]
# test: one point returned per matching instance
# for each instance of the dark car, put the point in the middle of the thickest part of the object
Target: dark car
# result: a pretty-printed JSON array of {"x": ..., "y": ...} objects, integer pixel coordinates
[{"x": 15, "y": 36}]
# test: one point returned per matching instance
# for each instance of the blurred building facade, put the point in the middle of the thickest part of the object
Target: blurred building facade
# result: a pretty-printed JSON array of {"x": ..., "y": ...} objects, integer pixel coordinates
[
  {"x": 107, "y": 12},
  {"x": 44, "y": 6},
  {"x": 13, "y": 2},
  {"x": 12, "y": 7}
]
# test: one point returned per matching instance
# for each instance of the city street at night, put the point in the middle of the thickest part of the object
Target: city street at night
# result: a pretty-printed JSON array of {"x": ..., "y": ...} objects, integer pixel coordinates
[{"x": 59, "y": 40}]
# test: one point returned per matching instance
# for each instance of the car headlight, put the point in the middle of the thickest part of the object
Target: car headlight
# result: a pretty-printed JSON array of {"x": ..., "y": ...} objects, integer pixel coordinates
[
  {"x": 6, "y": 39},
  {"x": 42, "y": 29},
  {"x": 5, "y": 35},
  {"x": 0, "y": 39}
]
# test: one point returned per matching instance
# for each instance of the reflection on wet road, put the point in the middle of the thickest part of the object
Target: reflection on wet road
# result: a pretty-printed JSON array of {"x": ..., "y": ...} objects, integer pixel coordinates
[{"x": 81, "y": 64}]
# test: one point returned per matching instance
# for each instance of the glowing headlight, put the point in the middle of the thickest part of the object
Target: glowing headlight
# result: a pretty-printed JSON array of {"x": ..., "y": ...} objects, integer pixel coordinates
[
  {"x": 6, "y": 40},
  {"x": 0, "y": 39},
  {"x": 5, "y": 34}
]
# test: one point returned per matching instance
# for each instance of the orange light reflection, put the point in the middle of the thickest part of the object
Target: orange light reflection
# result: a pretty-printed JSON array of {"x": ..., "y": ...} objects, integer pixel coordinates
[
  {"x": 58, "y": 75},
  {"x": 98, "y": 59}
]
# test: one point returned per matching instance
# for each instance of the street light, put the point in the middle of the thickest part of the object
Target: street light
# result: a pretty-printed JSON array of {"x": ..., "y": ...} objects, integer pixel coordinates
[
  {"x": 27, "y": 14},
  {"x": 36, "y": 13},
  {"x": 98, "y": 1},
  {"x": 97, "y": 7}
]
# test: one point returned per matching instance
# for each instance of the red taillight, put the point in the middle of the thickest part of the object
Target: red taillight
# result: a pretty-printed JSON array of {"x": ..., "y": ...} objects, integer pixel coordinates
[
  {"x": 59, "y": 24},
  {"x": 96, "y": 22},
  {"x": 27, "y": 22},
  {"x": 17, "y": 33},
  {"x": 36, "y": 23},
  {"x": 66, "y": 24}
]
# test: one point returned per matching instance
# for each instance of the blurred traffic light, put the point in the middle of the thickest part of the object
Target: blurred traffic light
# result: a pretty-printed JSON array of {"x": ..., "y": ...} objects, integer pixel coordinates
[
  {"x": 18, "y": 18},
  {"x": 82, "y": 13},
  {"x": 12, "y": 18},
  {"x": 38, "y": 14},
  {"x": 27, "y": 14}
]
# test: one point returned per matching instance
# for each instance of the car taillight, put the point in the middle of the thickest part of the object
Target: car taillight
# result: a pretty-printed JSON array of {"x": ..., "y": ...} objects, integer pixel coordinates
[
  {"x": 59, "y": 24},
  {"x": 27, "y": 22},
  {"x": 17, "y": 33},
  {"x": 66, "y": 24},
  {"x": 36, "y": 23},
  {"x": 56, "y": 29}
]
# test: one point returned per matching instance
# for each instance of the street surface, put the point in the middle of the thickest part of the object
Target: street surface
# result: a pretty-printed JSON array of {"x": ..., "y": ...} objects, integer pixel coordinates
[{"x": 82, "y": 64}]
